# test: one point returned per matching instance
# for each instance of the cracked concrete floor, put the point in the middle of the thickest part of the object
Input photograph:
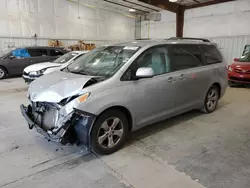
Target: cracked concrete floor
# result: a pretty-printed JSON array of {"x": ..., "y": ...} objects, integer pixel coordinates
[{"x": 192, "y": 150}]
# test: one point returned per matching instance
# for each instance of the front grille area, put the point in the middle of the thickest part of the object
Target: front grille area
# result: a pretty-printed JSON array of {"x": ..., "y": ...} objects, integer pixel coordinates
[
  {"x": 45, "y": 114},
  {"x": 242, "y": 71},
  {"x": 239, "y": 79}
]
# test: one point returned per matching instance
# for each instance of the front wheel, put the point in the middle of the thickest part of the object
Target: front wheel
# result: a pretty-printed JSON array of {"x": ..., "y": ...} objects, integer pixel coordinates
[
  {"x": 3, "y": 73},
  {"x": 211, "y": 100},
  {"x": 109, "y": 132}
]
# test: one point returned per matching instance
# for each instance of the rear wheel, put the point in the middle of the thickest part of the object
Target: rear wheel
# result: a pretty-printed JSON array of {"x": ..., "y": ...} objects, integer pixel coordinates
[
  {"x": 3, "y": 72},
  {"x": 211, "y": 100},
  {"x": 109, "y": 132}
]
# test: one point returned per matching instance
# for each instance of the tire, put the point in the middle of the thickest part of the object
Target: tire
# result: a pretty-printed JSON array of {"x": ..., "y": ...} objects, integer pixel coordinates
[
  {"x": 3, "y": 73},
  {"x": 211, "y": 100},
  {"x": 112, "y": 125}
]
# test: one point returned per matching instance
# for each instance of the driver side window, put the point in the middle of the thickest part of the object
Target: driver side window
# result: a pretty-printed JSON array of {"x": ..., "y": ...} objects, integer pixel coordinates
[{"x": 156, "y": 58}]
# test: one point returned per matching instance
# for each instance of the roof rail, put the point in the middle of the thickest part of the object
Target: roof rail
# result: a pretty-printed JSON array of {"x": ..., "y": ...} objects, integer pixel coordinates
[{"x": 188, "y": 38}]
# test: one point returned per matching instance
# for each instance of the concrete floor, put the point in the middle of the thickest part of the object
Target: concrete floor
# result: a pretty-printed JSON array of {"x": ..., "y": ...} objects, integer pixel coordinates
[{"x": 192, "y": 150}]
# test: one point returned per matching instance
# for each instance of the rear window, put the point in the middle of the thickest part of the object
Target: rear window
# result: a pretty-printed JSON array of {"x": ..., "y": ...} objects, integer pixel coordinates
[
  {"x": 37, "y": 52},
  {"x": 66, "y": 57},
  {"x": 211, "y": 54}
]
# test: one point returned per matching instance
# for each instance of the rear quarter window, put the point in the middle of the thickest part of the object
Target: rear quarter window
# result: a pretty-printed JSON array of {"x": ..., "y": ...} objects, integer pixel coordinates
[
  {"x": 55, "y": 52},
  {"x": 36, "y": 52},
  {"x": 211, "y": 54}
]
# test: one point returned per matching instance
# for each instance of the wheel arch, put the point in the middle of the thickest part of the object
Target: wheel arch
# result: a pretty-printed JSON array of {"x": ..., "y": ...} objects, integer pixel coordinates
[
  {"x": 216, "y": 84},
  {"x": 125, "y": 111},
  {"x": 5, "y": 69}
]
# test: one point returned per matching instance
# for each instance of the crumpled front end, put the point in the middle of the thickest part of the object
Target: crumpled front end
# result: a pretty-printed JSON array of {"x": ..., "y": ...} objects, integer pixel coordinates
[
  {"x": 53, "y": 109},
  {"x": 63, "y": 124}
]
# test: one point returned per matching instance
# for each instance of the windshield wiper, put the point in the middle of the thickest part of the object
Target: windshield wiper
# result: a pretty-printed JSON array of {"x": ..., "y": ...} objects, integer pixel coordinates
[{"x": 79, "y": 72}]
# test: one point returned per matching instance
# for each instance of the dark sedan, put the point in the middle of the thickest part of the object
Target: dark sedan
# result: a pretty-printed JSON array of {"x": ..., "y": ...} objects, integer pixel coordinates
[{"x": 14, "y": 61}]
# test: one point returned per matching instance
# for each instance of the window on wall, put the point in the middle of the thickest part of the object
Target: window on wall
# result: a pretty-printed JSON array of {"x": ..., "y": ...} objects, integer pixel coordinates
[
  {"x": 185, "y": 57},
  {"x": 155, "y": 58},
  {"x": 211, "y": 54},
  {"x": 37, "y": 52}
]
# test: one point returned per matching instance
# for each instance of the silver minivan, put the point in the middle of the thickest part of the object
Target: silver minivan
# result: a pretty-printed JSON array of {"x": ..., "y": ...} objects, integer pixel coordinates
[{"x": 103, "y": 96}]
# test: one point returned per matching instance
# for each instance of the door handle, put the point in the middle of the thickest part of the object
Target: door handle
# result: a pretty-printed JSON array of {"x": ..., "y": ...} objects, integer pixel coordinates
[
  {"x": 182, "y": 77},
  {"x": 171, "y": 79}
]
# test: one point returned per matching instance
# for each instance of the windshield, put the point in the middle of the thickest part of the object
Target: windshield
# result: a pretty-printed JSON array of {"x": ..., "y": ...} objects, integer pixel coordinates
[
  {"x": 246, "y": 49},
  {"x": 66, "y": 57},
  {"x": 245, "y": 58},
  {"x": 102, "y": 61}
]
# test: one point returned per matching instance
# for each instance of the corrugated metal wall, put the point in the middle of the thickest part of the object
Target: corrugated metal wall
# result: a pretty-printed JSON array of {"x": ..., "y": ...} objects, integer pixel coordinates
[{"x": 231, "y": 47}]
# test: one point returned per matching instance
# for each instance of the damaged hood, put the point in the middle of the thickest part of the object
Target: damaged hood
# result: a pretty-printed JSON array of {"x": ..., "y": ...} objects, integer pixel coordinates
[{"x": 57, "y": 86}]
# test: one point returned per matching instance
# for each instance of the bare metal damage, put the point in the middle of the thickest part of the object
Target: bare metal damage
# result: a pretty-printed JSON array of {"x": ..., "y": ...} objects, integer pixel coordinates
[
  {"x": 57, "y": 86},
  {"x": 52, "y": 111}
]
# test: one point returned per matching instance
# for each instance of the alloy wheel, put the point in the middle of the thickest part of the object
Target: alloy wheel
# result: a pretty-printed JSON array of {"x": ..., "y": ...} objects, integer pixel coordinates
[
  {"x": 2, "y": 73},
  {"x": 212, "y": 99},
  {"x": 110, "y": 132}
]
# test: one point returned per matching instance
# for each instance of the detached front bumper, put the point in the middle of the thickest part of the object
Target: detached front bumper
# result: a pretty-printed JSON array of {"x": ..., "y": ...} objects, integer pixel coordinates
[{"x": 79, "y": 127}]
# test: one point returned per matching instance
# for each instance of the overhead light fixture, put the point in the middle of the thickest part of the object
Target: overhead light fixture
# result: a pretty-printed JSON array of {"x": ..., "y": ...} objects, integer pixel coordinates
[{"x": 131, "y": 10}]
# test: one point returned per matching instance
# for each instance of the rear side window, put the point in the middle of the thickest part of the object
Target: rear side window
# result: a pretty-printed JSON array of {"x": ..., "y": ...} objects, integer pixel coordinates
[
  {"x": 53, "y": 52},
  {"x": 37, "y": 52},
  {"x": 211, "y": 54},
  {"x": 185, "y": 56}
]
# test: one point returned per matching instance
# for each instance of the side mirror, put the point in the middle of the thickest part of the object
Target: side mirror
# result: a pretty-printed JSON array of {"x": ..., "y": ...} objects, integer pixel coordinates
[
  {"x": 236, "y": 59},
  {"x": 144, "y": 72}
]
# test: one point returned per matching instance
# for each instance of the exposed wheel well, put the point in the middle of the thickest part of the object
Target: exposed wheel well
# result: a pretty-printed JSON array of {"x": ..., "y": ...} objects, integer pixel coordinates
[
  {"x": 216, "y": 84},
  {"x": 126, "y": 112}
]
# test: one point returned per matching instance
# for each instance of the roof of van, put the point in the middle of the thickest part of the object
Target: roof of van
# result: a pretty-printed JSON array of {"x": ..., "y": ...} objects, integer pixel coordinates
[{"x": 145, "y": 42}]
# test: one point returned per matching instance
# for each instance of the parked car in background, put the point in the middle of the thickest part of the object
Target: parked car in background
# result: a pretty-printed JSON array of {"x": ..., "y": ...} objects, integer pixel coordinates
[
  {"x": 109, "y": 92},
  {"x": 14, "y": 62},
  {"x": 33, "y": 72},
  {"x": 239, "y": 71}
]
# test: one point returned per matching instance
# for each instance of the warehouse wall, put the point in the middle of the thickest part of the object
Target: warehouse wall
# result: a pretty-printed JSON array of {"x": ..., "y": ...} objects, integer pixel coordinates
[
  {"x": 225, "y": 19},
  {"x": 231, "y": 46},
  {"x": 63, "y": 19},
  {"x": 161, "y": 29},
  {"x": 227, "y": 24}
]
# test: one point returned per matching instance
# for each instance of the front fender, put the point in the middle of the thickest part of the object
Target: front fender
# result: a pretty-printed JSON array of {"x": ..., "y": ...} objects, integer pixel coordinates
[{"x": 102, "y": 100}]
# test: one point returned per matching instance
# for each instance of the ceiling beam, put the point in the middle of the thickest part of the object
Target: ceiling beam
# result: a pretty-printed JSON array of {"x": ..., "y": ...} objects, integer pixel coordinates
[
  {"x": 127, "y": 1},
  {"x": 164, "y": 4},
  {"x": 207, "y": 3}
]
